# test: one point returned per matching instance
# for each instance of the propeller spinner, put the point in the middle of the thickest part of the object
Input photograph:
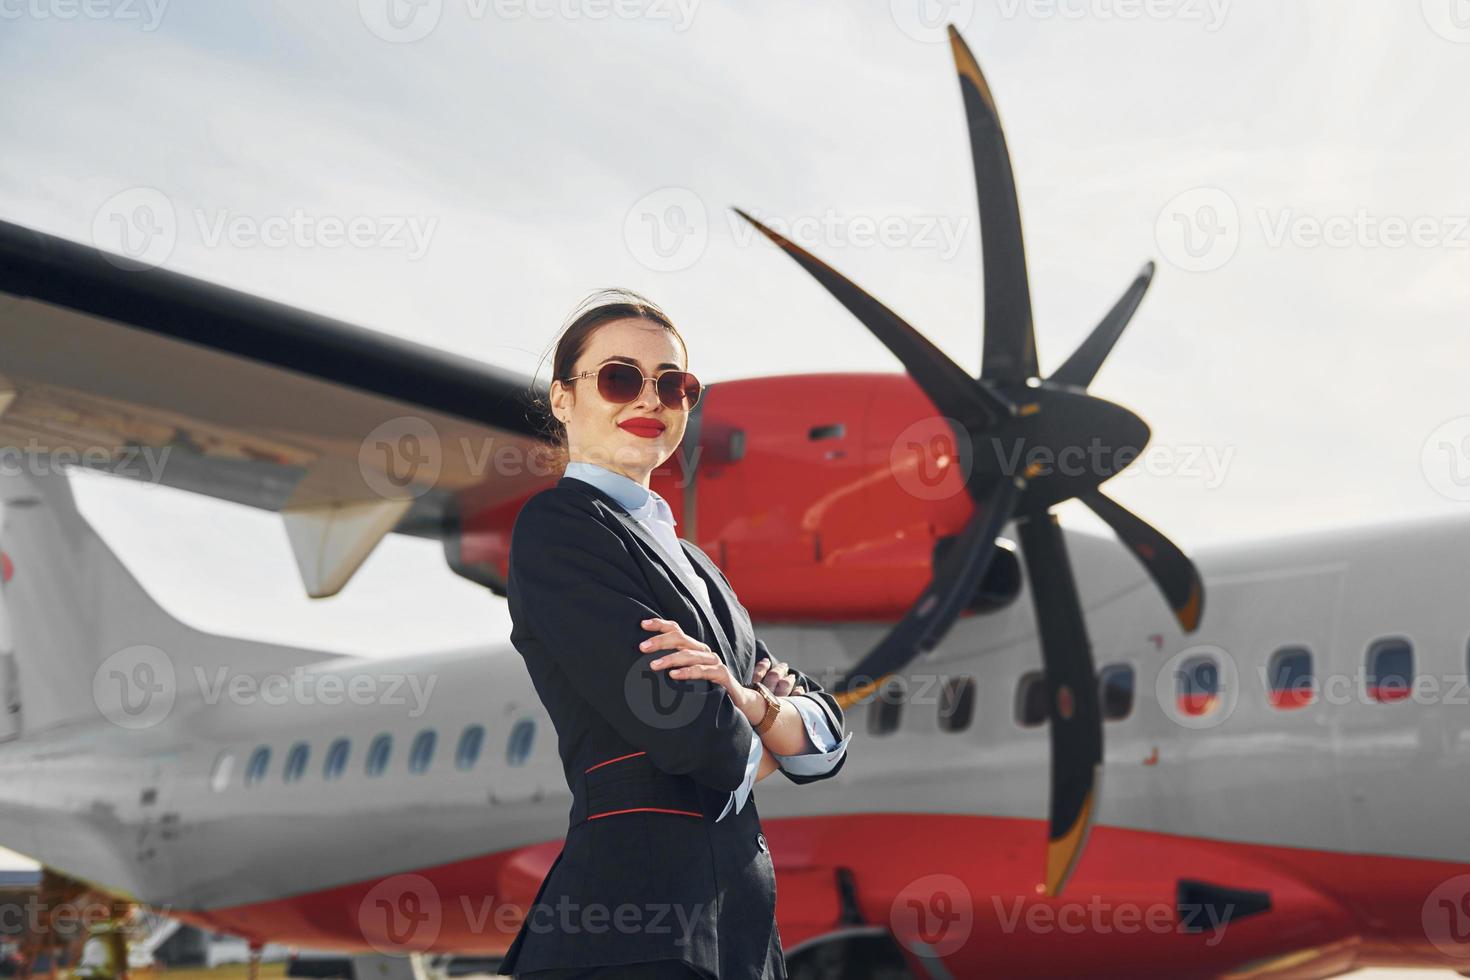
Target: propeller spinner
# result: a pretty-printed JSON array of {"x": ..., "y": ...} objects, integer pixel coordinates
[{"x": 1013, "y": 412}]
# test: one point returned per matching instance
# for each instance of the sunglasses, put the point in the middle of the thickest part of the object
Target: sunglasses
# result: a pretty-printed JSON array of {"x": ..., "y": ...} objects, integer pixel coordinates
[{"x": 621, "y": 383}]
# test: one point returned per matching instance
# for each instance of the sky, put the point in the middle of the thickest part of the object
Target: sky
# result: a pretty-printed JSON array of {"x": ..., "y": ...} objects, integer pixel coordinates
[{"x": 1296, "y": 171}]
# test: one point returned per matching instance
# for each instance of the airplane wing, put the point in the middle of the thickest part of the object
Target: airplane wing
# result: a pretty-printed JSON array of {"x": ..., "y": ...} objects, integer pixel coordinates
[{"x": 348, "y": 433}]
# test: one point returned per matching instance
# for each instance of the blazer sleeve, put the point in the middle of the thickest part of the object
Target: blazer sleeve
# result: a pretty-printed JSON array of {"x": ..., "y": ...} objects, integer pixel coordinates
[
  {"x": 831, "y": 713},
  {"x": 582, "y": 594}
]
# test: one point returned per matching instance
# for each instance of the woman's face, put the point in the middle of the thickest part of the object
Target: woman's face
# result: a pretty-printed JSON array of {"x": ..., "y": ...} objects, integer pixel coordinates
[{"x": 595, "y": 432}]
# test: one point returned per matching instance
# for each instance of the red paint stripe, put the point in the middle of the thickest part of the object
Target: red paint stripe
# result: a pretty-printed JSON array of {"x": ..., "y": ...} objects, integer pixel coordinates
[
  {"x": 645, "y": 809},
  {"x": 618, "y": 759}
]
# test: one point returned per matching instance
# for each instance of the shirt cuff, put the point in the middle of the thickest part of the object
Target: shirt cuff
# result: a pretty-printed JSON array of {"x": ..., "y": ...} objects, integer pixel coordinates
[
  {"x": 825, "y": 752},
  {"x": 752, "y": 766}
]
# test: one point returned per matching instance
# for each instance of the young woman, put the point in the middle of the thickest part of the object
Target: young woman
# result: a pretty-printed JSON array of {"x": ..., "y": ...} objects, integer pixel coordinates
[{"x": 667, "y": 707}]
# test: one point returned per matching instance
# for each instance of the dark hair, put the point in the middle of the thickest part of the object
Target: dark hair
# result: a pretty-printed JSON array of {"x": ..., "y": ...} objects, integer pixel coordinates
[{"x": 600, "y": 307}]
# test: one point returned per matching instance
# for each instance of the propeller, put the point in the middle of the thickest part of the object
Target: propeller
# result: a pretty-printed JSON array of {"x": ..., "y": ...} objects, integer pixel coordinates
[{"x": 1039, "y": 434}]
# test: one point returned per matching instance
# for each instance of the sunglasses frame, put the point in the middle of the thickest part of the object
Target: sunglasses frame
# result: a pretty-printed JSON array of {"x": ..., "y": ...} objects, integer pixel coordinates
[{"x": 645, "y": 379}]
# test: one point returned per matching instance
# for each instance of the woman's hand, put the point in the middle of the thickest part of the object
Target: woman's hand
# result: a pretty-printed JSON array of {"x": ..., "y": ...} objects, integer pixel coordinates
[
  {"x": 689, "y": 659},
  {"x": 774, "y": 677}
]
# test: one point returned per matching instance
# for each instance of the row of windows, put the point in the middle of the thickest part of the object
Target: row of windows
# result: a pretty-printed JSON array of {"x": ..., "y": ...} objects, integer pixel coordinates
[
  {"x": 1388, "y": 674},
  {"x": 957, "y": 700},
  {"x": 376, "y": 759}
]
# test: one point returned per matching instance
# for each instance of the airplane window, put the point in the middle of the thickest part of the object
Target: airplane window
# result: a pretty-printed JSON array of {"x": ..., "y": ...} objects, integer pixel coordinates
[
  {"x": 1290, "y": 676},
  {"x": 378, "y": 752},
  {"x": 470, "y": 741},
  {"x": 518, "y": 747},
  {"x": 1115, "y": 691},
  {"x": 1031, "y": 700},
  {"x": 336, "y": 763},
  {"x": 1390, "y": 669},
  {"x": 422, "y": 752},
  {"x": 224, "y": 768},
  {"x": 1198, "y": 685},
  {"x": 260, "y": 761},
  {"x": 295, "y": 762},
  {"x": 956, "y": 704},
  {"x": 886, "y": 708}
]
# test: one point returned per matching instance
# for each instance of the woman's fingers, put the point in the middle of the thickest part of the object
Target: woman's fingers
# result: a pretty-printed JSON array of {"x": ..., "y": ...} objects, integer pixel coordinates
[{"x": 683, "y": 658}]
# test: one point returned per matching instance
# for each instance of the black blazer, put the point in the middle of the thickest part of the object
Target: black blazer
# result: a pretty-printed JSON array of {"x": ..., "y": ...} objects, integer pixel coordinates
[{"x": 645, "y": 872}]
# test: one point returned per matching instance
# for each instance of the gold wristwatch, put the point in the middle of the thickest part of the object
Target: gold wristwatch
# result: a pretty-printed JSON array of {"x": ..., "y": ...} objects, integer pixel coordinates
[{"x": 773, "y": 708}]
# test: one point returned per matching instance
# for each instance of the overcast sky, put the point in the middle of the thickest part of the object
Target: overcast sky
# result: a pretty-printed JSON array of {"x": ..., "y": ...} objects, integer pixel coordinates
[{"x": 1298, "y": 172}]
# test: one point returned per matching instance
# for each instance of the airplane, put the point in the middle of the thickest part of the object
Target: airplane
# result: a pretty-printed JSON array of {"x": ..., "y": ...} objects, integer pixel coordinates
[{"x": 1281, "y": 800}]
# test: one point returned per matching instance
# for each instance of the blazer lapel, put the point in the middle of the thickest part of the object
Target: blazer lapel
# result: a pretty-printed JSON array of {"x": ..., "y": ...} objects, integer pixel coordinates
[{"x": 722, "y": 645}]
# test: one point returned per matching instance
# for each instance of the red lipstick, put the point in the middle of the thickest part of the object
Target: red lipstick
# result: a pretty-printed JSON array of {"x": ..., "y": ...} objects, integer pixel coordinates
[{"x": 645, "y": 427}]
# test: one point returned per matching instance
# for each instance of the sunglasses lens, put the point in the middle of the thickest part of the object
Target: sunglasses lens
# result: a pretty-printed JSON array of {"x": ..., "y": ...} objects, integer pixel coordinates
[
  {"x": 678, "y": 390},
  {"x": 619, "y": 383}
]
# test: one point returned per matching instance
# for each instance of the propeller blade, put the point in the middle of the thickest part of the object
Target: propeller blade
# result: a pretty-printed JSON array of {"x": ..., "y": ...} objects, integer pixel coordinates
[
  {"x": 1169, "y": 567},
  {"x": 955, "y": 580},
  {"x": 1076, "y": 722},
  {"x": 1082, "y": 366},
  {"x": 1010, "y": 340},
  {"x": 952, "y": 390}
]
